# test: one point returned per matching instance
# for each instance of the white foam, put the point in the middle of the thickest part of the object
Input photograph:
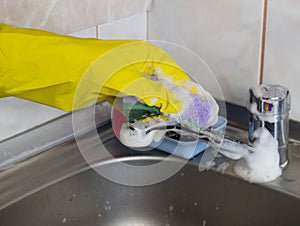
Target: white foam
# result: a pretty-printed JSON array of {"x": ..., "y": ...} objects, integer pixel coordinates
[
  {"x": 132, "y": 138},
  {"x": 267, "y": 117},
  {"x": 182, "y": 90},
  {"x": 138, "y": 137},
  {"x": 263, "y": 164},
  {"x": 232, "y": 150}
]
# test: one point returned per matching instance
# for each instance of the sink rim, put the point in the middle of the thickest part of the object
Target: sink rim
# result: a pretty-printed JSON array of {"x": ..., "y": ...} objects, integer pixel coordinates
[
  {"x": 65, "y": 160},
  {"x": 140, "y": 158}
]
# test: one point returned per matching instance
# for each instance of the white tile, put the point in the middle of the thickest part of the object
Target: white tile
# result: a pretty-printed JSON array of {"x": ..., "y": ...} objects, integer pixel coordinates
[
  {"x": 86, "y": 33},
  {"x": 282, "y": 62},
  {"x": 226, "y": 34},
  {"x": 132, "y": 27},
  {"x": 19, "y": 115},
  {"x": 67, "y": 16}
]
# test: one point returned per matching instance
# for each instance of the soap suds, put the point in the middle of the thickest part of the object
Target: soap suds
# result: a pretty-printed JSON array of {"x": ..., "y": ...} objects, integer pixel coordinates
[
  {"x": 263, "y": 164},
  {"x": 199, "y": 111},
  {"x": 132, "y": 138},
  {"x": 258, "y": 164},
  {"x": 223, "y": 166},
  {"x": 138, "y": 138},
  {"x": 233, "y": 150},
  {"x": 199, "y": 107},
  {"x": 267, "y": 117}
]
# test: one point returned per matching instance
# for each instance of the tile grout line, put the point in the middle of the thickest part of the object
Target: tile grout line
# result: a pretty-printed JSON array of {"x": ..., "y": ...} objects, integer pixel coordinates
[
  {"x": 147, "y": 25},
  {"x": 263, "y": 42},
  {"x": 97, "y": 32}
]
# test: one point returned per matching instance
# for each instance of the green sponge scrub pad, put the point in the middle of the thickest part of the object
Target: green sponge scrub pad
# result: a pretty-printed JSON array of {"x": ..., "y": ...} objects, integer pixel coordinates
[{"x": 133, "y": 109}]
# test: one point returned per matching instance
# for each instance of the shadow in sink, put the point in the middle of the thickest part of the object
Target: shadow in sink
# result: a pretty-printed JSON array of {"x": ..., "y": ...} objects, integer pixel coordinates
[{"x": 187, "y": 198}]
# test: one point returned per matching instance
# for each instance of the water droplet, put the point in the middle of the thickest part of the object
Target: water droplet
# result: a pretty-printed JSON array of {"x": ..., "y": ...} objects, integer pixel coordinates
[
  {"x": 99, "y": 215},
  {"x": 204, "y": 223},
  {"x": 171, "y": 208},
  {"x": 195, "y": 204},
  {"x": 64, "y": 220},
  {"x": 74, "y": 195},
  {"x": 107, "y": 202},
  {"x": 182, "y": 174},
  {"x": 217, "y": 208}
]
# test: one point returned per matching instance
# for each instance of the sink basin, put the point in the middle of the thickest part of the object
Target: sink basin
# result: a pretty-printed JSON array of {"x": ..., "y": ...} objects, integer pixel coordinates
[
  {"x": 188, "y": 198},
  {"x": 58, "y": 187}
]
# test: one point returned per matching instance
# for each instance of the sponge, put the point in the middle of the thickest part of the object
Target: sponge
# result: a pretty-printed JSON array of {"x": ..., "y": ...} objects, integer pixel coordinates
[
  {"x": 134, "y": 109},
  {"x": 197, "y": 115},
  {"x": 200, "y": 110}
]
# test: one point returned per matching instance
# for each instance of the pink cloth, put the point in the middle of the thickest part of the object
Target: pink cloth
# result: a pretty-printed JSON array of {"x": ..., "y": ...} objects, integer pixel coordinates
[{"x": 117, "y": 120}]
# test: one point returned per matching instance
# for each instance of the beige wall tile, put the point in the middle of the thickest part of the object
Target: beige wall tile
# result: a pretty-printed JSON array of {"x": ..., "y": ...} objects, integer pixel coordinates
[
  {"x": 67, "y": 16},
  {"x": 132, "y": 27},
  {"x": 282, "y": 61},
  {"x": 86, "y": 33},
  {"x": 226, "y": 34}
]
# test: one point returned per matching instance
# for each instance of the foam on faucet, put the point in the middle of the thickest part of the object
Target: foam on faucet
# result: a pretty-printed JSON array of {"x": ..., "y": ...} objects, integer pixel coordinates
[
  {"x": 263, "y": 164},
  {"x": 267, "y": 117}
]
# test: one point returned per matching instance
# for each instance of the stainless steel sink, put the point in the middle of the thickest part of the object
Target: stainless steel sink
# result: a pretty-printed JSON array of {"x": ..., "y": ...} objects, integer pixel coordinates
[
  {"x": 57, "y": 187},
  {"x": 187, "y": 198}
]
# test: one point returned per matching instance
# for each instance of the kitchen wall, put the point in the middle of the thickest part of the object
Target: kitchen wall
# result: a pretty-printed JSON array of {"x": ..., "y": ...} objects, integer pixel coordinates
[
  {"x": 227, "y": 35},
  {"x": 131, "y": 27},
  {"x": 282, "y": 61},
  {"x": 67, "y": 16}
]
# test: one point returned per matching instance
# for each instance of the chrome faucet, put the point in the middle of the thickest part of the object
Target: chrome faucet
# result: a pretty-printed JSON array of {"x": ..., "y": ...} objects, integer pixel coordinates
[{"x": 269, "y": 107}]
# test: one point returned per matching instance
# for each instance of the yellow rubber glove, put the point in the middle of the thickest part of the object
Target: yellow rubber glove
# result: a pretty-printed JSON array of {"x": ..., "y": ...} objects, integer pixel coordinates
[{"x": 55, "y": 69}]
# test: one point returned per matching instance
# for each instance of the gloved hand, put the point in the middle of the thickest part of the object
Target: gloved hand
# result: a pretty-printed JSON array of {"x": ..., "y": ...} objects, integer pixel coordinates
[{"x": 48, "y": 68}]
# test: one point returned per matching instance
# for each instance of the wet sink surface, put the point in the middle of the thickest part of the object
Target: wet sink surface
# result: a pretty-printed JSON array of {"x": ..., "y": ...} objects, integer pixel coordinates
[{"x": 189, "y": 197}]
